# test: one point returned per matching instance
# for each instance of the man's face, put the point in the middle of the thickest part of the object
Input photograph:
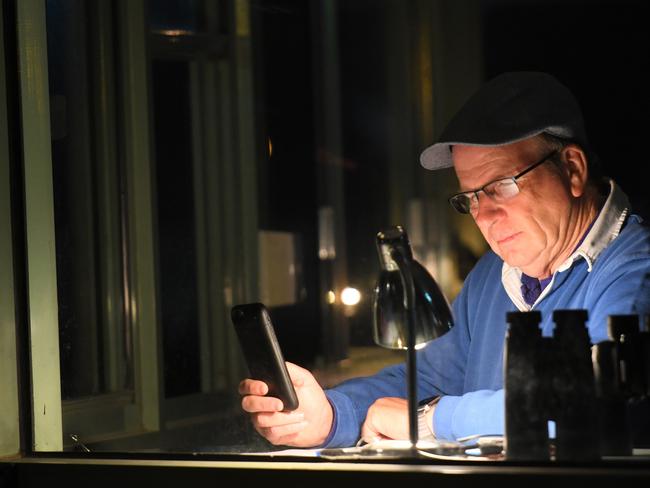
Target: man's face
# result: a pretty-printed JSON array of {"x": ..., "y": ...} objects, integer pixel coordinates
[{"x": 529, "y": 230}]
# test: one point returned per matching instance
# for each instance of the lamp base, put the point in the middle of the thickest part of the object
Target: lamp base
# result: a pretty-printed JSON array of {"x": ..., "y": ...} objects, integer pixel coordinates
[{"x": 395, "y": 449}]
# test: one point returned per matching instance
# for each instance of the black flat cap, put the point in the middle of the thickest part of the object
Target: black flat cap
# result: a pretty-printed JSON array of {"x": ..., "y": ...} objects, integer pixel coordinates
[{"x": 511, "y": 107}]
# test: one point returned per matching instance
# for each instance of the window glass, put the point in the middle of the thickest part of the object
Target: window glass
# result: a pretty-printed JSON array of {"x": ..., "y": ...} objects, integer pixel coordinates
[
  {"x": 284, "y": 136},
  {"x": 177, "y": 15},
  {"x": 175, "y": 226},
  {"x": 95, "y": 347}
]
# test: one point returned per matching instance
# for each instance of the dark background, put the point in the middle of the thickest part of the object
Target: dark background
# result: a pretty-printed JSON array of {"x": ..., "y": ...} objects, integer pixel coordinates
[{"x": 599, "y": 49}]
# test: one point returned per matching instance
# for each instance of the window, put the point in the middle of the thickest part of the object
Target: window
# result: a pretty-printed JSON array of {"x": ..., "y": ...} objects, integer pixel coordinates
[
  {"x": 88, "y": 182},
  {"x": 180, "y": 157},
  {"x": 179, "y": 132}
]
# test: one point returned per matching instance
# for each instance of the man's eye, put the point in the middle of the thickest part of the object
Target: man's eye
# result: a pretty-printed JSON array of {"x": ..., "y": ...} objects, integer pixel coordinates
[
  {"x": 499, "y": 186},
  {"x": 491, "y": 189}
]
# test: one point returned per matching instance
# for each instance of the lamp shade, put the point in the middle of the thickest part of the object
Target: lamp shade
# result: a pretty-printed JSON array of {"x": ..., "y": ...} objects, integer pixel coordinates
[{"x": 432, "y": 313}]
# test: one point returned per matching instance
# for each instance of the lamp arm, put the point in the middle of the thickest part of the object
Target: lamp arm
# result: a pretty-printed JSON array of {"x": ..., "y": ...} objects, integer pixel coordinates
[{"x": 411, "y": 368}]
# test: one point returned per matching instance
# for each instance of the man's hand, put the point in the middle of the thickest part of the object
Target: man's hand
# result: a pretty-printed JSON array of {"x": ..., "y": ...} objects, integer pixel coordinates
[
  {"x": 307, "y": 426},
  {"x": 387, "y": 418}
]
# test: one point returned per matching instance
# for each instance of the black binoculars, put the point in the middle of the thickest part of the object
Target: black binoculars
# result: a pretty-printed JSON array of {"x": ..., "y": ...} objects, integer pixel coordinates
[{"x": 595, "y": 396}]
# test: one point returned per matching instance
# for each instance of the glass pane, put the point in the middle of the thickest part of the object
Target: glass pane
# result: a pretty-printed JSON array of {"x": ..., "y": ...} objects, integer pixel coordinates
[
  {"x": 177, "y": 15},
  {"x": 288, "y": 187},
  {"x": 94, "y": 343},
  {"x": 176, "y": 227},
  {"x": 285, "y": 135}
]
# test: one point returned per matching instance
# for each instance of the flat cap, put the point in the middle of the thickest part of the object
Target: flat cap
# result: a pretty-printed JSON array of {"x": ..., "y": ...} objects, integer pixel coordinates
[{"x": 511, "y": 107}]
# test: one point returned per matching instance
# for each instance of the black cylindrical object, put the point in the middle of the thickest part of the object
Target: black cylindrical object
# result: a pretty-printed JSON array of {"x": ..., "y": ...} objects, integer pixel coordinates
[
  {"x": 633, "y": 349},
  {"x": 614, "y": 419},
  {"x": 625, "y": 332},
  {"x": 573, "y": 389},
  {"x": 644, "y": 339},
  {"x": 526, "y": 429}
]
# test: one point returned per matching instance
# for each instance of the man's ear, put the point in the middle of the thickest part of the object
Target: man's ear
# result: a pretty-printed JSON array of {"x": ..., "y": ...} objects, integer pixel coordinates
[{"x": 577, "y": 168}]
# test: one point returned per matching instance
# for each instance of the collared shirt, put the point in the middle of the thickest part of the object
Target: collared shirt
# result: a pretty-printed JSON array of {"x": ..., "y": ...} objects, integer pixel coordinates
[{"x": 604, "y": 230}]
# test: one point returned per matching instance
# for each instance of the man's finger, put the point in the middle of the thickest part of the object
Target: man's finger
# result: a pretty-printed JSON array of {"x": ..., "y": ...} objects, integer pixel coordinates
[
  {"x": 253, "y": 387},
  {"x": 278, "y": 434},
  {"x": 267, "y": 419},
  {"x": 369, "y": 435},
  {"x": 297, "y": 374},
  {"x": 255, "y": 403}
]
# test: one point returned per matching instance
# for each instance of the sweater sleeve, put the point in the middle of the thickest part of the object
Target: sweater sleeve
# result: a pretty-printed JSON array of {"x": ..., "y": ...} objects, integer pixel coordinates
[
  {"x": 477, "y": 412},
  {"x": 460, "y": 412},
  {"x": 441, "y": 370}
]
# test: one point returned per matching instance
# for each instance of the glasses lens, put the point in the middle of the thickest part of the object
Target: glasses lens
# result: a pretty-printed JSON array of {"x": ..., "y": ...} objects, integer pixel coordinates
[
  {"x": 502, "y": 189},
  {"x": 461, "y": 203}
]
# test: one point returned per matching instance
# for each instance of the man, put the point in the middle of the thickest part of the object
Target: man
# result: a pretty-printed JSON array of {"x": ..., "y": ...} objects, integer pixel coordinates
[{"x": 561, "y": 237}]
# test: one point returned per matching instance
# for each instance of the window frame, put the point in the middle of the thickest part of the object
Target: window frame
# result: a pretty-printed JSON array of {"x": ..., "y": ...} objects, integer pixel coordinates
[
  {"x": 141, "y": 409},
  {"x": 10, "y": 436},
  {"x": 56, "y": 423},
  {"x": 224, "y": 178}
]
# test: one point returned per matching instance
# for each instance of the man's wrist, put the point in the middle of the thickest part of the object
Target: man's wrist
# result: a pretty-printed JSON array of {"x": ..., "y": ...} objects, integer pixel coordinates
[{"x": 425, "y": 418}]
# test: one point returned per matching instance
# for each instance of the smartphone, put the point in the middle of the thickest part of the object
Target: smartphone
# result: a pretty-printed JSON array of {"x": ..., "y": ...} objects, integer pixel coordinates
[{"x": 262, "y": 351}]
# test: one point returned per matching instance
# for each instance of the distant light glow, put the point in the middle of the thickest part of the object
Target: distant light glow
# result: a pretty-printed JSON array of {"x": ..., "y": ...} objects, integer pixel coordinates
[
  {"x": 331, "y": 297},
  {"x": 350, "y": 296},
  {"x": 174, "y": 32}
]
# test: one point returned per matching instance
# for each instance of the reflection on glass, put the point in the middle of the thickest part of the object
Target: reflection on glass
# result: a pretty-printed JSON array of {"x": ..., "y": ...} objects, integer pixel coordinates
[
  {"x": 180, "y": 16},
  {"x": 176, "y": 227},
  {"x": 94, "y": 334}
]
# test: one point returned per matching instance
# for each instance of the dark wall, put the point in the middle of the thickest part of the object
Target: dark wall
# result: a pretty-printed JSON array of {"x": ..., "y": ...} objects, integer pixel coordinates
[
  {"x": 287, "y": 184},
  {"x": 601, "y": 51}
]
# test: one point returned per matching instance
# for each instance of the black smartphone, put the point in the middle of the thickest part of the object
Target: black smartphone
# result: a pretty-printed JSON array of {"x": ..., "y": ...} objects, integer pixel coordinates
[{"x": 262, "y": 351}]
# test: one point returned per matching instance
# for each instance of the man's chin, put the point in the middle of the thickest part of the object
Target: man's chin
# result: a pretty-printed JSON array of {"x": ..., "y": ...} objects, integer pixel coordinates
[
  {"x": 515, "y": 256},
  {"x": 516, "y": 260}
]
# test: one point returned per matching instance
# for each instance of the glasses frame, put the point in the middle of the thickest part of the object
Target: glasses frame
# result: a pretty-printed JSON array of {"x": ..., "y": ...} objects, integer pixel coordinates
[{"x": 514, "y": 180}]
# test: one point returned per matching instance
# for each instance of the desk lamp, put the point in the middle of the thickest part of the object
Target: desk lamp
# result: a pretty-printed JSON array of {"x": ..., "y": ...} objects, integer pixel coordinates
[{"x": 409, "y": 309}]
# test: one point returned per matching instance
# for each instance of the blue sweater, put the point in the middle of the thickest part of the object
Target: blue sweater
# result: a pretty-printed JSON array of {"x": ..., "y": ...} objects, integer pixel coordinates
[{"x": 466, "y": 364}]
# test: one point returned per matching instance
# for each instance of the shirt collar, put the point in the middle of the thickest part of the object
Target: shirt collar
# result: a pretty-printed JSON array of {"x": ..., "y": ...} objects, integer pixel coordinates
[{"x": 604, "y": 230}]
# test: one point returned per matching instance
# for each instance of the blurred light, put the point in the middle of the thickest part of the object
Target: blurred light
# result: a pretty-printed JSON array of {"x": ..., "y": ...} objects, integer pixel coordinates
[
  {"x": 350, "y": 296},
  {"x": 270, "y": 146},
  {"x": 331, "y": 297},
  {"x": 174, "y": 32},
  {"x": 326, "y": 247}
]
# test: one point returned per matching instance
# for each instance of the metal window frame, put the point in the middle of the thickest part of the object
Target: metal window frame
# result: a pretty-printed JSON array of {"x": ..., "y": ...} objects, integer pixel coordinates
[
  {"x": 9, "y": 393},
  {"x": 49, "y": 414},
  {"x": 142, "y": 410}
]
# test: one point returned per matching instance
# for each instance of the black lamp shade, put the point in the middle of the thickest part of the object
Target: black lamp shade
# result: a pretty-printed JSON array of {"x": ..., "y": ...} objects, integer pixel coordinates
[{"x": 433, "y": 316}]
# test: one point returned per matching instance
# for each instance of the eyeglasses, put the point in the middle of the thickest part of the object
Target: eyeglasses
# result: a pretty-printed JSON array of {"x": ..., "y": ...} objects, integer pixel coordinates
[{"x": 498, "y": 190}]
